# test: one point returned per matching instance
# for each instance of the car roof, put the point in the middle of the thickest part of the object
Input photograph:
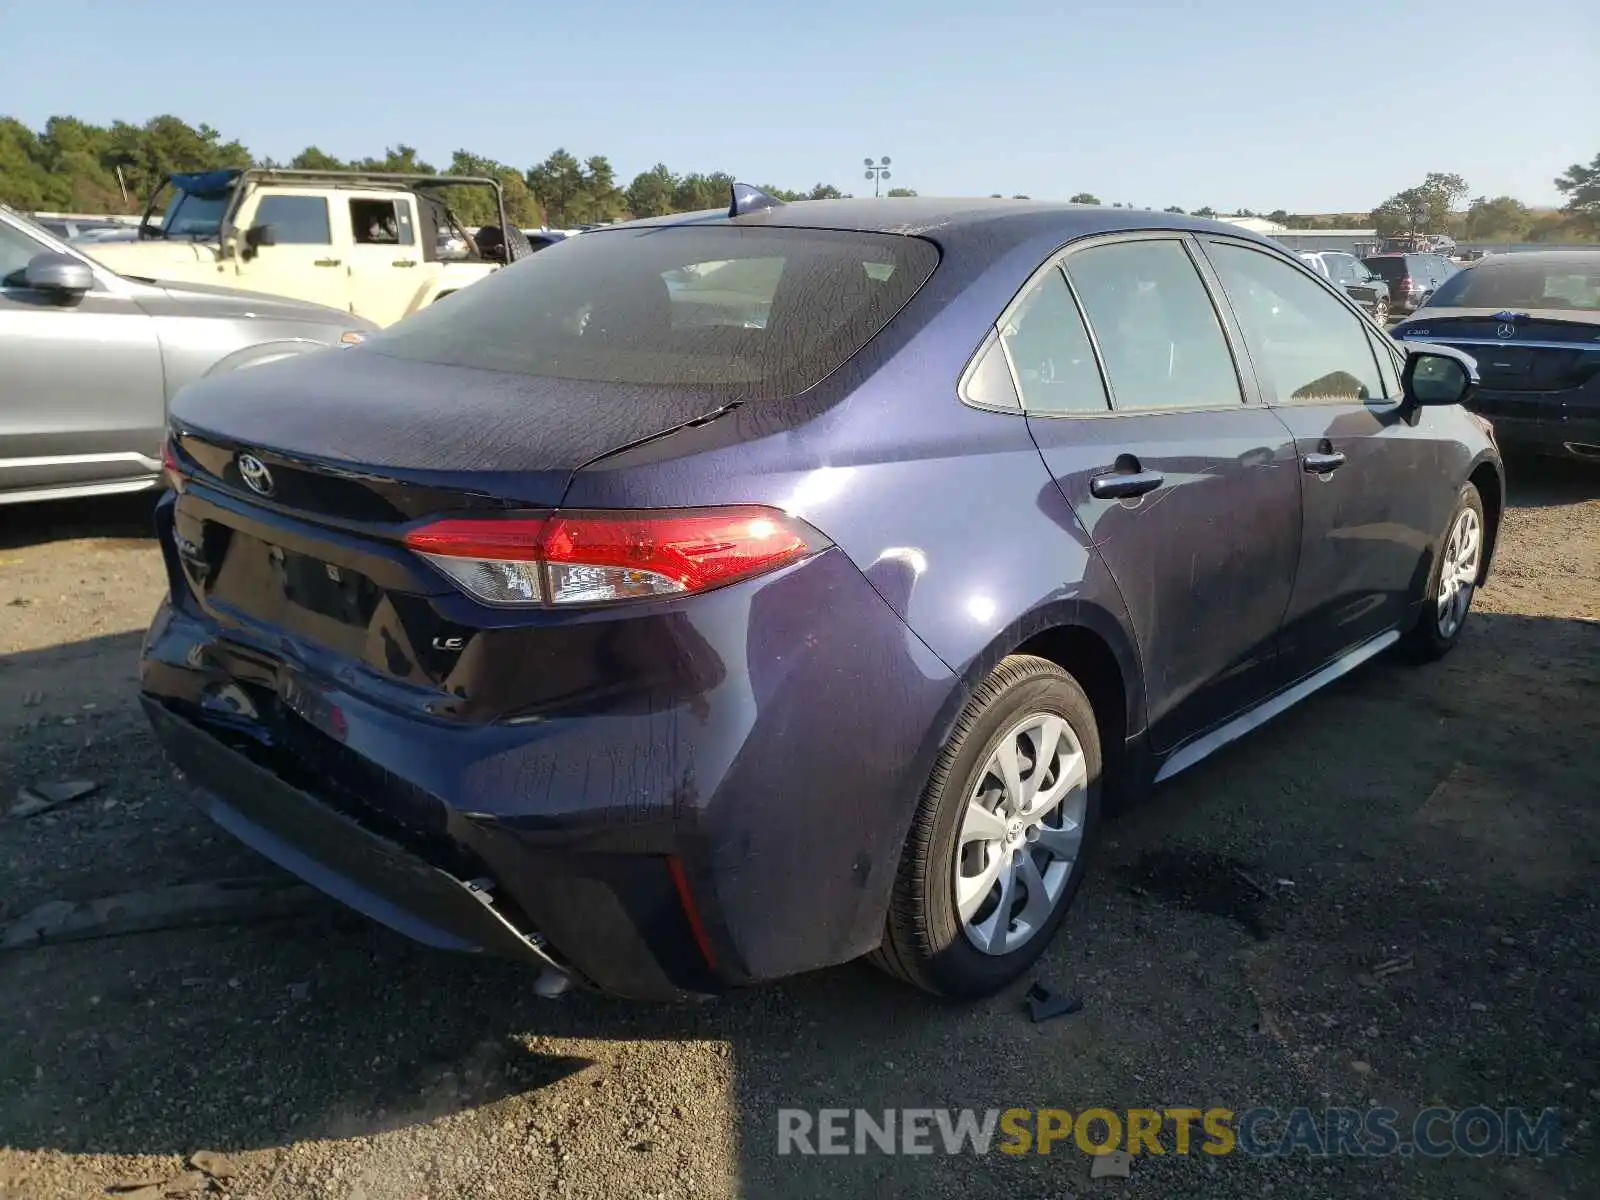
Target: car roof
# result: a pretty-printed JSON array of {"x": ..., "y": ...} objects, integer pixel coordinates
[
  {"x": 1000, "y": 223},
  {"x": 1583, "y": 259}
]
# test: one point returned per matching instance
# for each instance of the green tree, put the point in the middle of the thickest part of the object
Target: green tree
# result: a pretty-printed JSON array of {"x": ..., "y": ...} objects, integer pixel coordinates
[
  {"x": 474, "y": 205},
  {"x": 825, "y": 191},
  {"x": 1278, "y": 215},
  {"x": 1084, "y": 198},
  {"x": 901, "y": 192},
  {"x": 603, "y": 201},
  {"x": 1208, "y": 212},
  {"x": 397, "y": 160},
  {"x": 1581, "y": 186},
  {"x": 314, "y": 159},
  {"x": 696, "y": 192},
  {"x": 650, "y": 194},
  {"x": 25, "y": 181},
  {"x": 559, "y": 186},
  {"x": 1426, "y": 208},
  {"x": 1502, "y": 217},
  {"x": 1174, "y": 209}
]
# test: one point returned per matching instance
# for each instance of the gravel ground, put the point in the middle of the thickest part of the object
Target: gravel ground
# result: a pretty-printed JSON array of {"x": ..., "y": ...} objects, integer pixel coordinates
[{"x": 1227, "y": 945}]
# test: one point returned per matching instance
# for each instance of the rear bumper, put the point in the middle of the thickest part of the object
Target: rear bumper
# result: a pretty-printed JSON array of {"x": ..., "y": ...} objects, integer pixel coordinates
[
  {"x": 654, "y": 845},
  {"x": 369, "y": 873}
]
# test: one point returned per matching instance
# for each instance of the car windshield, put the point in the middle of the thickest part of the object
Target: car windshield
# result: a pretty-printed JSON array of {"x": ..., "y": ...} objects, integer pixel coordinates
[
  {"x": 759, "y": 313},
  {"x": 1512, "y": 284},
  {"x": 192, "y": 215}
]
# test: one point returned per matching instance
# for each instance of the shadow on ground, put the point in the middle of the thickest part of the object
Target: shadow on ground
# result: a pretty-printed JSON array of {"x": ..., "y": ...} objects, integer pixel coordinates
[
  {"x": 1549, "y": 482},
  {"x": 114, "y": 517},
  {"x": 1444, "y": 816}
]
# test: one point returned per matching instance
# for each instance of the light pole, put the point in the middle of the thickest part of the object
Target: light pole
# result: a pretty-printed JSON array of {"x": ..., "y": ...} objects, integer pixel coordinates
[{"x": 877, "y": 172}]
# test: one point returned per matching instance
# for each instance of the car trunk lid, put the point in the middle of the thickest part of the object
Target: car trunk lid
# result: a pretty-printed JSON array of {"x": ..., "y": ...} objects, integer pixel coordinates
[
  {"x": 291, "y": 546},
  {"x": 1539, "y": 350}
]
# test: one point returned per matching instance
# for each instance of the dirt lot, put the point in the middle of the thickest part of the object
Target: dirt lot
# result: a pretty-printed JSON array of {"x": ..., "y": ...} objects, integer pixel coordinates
[{"x": 1443, "y": 821}]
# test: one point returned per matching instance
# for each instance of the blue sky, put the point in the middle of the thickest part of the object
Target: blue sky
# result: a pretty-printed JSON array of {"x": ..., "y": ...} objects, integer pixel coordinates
[{"x": 1232, "y": 103}]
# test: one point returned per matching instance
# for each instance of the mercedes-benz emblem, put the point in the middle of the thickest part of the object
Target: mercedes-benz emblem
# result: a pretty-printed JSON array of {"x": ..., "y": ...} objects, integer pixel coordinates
[
  {"x": 1505, "y": 330},
  {"x": 256, "y": 476}
]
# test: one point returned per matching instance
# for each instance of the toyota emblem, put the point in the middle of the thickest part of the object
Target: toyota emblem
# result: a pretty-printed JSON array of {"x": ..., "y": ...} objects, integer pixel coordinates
[{"x": 256, "y": 476}]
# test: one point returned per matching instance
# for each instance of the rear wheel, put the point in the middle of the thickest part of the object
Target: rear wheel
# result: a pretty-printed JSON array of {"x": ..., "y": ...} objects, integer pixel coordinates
[
  {"x": 996, "y": 852},
  {"x": 1453, "y": 581},
  {"x": 1380, "y": 310}
]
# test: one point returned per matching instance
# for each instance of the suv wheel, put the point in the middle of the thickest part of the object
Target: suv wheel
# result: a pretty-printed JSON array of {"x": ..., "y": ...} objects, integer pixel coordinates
[
  {"x": 1452, "y": 582},
  {"x": 997, "y": 850},
  {"x": 1380, "y": 310}
]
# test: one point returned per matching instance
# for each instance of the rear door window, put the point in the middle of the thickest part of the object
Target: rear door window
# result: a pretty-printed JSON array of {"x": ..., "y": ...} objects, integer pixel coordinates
[
  {"x": 1049, "y": 351},
  {"x": 754, "y": 312},
  {"x": 1158, "y": 333},
  {"x": 381, "y": 223}
]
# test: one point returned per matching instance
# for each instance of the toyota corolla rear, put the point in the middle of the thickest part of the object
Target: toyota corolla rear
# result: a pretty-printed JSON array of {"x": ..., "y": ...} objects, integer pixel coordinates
[
  {"x": 1532, "y": 321},
  {"x": 606, "y": 739}
]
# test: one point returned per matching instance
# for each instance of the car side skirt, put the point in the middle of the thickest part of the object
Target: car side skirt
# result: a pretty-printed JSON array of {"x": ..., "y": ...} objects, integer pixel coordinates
[{"x": 1207, "y": 744}]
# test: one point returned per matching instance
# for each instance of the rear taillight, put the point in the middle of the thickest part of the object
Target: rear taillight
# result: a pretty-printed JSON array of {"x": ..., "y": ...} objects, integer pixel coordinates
[
  {"x": 1408, "y": 284},
  {"x": 171, "y": 469},
  {"x": 574, "y": 558}
]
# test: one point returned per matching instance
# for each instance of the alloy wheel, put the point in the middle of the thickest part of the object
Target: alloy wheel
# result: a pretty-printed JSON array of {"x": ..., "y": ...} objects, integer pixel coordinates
[
  {"x": 1021, "y": 834},
  {"x": 1458, "y": 572}
]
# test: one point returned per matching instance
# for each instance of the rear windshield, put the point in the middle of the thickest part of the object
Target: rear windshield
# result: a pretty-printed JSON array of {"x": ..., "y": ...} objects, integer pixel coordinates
[
  {"x": 1391, "y": 269},
  {"x": 759, "y": 313},
  {"x": 1512, "y": 284}
]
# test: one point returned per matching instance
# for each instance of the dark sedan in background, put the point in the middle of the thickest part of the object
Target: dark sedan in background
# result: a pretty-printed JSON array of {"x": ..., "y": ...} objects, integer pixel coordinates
[
  {"x": 804, "y": 609},
  {"x": 1532, "y": 321}
]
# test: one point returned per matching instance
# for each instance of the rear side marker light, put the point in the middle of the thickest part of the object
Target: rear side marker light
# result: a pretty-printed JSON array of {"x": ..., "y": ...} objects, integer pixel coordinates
[
  {"x": 579, "y": 558},
  {"x": 171, "y": 471}
]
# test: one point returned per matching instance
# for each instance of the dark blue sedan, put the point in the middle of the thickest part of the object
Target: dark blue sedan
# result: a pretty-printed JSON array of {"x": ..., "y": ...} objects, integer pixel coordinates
[{"x": 713, "y": 598}]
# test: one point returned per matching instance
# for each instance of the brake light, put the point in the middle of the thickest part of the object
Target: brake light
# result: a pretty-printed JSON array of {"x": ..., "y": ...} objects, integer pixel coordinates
[
  {"x": 171, "y": 471},
  {"x": 573, "y": 558},
  {"x": 1408, "y": 284}
]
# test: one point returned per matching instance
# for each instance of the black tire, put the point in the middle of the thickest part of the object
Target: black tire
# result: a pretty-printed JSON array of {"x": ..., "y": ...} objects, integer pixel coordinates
[
  {"x": 1380, "y": 311},
  {"x": 1430, "y": 639},
  {"x": 491, "y": 243},
  {"x": 924, "y": 941}
]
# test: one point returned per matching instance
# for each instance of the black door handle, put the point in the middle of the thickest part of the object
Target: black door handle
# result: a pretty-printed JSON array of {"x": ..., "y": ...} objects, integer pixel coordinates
[
  {"x": 1119, "y": 485},
  {"x": 1324, "y": 464},
  {"x": 404, "y": 262},
  {"x": 326, "y": 262}
]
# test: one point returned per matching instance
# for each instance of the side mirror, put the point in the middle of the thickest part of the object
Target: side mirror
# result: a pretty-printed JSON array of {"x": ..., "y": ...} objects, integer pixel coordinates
[
  {"x": 256, "y": 237},
  {"x": 59, "y": 274},
  {"x": 1437, "y": 375}
]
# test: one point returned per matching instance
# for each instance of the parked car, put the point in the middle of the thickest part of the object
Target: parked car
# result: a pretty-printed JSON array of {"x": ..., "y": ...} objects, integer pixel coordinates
[
  {"x": 75, "y": 229},
  {"x": 1355, "y": 277},
  {"x": 92, "y": 359},
  {"x": 379, "y": 245},
  {"x": 682, "y": 655},
  {"x": 540, "y": 239},
  {"x": 1410, "y": 277},
  {"x": 1532, "y": 321}
]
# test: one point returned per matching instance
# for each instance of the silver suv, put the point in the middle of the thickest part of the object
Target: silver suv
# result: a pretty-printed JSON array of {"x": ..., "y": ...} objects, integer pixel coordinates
[{"x": 92, "y": 359}]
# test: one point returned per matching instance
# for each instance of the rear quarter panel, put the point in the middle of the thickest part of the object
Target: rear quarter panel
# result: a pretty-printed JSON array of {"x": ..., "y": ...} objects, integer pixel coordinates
[{"x": 948, "y": 512}]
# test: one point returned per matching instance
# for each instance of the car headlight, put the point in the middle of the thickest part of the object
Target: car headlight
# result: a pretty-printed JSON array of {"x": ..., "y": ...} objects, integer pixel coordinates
[{"x": 352, "y": 337}]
